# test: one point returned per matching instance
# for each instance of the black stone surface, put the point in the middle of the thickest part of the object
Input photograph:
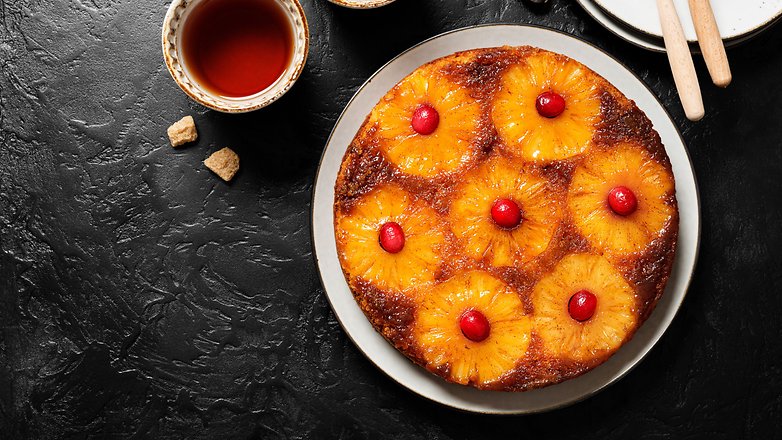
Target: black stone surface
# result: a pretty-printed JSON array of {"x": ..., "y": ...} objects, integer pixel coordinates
[{"x": 141, "y": 297}]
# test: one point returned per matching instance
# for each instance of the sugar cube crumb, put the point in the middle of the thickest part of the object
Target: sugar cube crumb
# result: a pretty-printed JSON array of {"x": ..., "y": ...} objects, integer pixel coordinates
[
  {"x": 182, "y": 131},
  {"x": 224, "y": 163}
]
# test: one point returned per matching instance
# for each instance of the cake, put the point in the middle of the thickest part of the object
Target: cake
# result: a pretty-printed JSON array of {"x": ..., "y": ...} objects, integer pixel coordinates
[{"x": 506, "y": 218}]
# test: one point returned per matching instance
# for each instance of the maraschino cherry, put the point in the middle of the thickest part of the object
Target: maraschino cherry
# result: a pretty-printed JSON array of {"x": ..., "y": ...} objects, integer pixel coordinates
[
  {"x": 582, "y": 305},
  {"x": 550, "y": 104},
  {"x": 474, "y": 325},
  {"x": 506, "y": 213},
  {"x": 391, "y": 237},
  {"x": 622, "y": 200},
  {"x": 425, "y": 119}
]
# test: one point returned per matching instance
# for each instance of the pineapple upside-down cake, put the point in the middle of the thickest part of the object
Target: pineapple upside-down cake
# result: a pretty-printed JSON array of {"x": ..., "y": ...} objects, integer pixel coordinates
[{"x": 506, "y": 218}]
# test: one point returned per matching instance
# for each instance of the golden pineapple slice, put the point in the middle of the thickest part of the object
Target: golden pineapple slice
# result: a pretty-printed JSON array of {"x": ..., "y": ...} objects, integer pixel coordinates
[
  {"x": 630, "y": 166},
  {"x": 497, "y": 179},
  {"x": 609, "y": 326},
  {"x": 439, "y": 334},
  {"x": 363, "y": 256},
  {"x": 534, "y": 137},
  {"x": 448, "y": 146}
]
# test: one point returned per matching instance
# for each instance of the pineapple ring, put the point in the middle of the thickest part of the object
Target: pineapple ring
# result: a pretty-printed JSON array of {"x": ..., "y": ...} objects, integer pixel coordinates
[
  {"x": 534, "y": 137},
  {"x": 426, "y": 155},
  {"x": 362, "y": 254},
  {"x": 608, "y": 327},
  {"x": 441, "y": 339},
  {"x": 471, "y": 221},
  {"x": 625, "y": 165}
]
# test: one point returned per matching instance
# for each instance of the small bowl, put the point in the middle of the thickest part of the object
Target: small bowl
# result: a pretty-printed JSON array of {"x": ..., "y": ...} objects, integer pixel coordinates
[
  {"x": 361, "y": 4},
  {"x": 176, "y": 16}
]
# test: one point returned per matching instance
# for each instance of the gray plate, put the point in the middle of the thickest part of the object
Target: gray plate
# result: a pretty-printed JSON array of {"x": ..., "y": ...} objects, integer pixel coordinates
[{"x": 385, "y": 356}]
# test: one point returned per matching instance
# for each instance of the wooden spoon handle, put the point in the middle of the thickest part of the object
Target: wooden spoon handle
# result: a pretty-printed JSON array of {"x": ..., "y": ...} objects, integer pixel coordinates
[
  {"x": 711, "y": 42},
  {"x": 680, "y": 58}
]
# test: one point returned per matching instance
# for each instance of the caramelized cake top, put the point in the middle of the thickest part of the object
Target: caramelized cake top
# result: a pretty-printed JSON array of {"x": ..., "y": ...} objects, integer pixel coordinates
[{"x": 506, "y": 218}]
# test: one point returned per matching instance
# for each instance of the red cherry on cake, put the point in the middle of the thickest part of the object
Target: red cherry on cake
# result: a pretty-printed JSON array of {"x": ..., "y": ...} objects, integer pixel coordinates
[
  {"x": 392, "y": 237},
  {"x": 582, "y": 305},
  {"x": 622, "y": 200},
  {"x": 550, "y": 104},
  {"x": 474, "y": 325},
  {"x": 425, "y": 119},
  {"x": 506, "y": 213}
]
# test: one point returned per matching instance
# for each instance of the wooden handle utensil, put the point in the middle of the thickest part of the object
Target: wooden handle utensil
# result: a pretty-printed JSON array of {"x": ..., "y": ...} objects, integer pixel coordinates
[
  {"x": 680, "y": 58},
  {"x": 710, "y": 42}
]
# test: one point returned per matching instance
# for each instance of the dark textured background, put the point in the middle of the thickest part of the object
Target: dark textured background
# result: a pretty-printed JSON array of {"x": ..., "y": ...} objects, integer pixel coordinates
[{"x": 141, "y": 297}]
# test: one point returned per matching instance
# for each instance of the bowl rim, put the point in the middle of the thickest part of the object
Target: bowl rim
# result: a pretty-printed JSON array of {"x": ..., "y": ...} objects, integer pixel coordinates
[
  {"x": 361, "y": 4},
  {"x": 254, "y": 102}
]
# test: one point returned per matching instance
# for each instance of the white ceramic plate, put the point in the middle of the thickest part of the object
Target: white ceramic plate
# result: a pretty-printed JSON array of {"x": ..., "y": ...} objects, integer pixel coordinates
[
  {"x": 619, "y": 29},
  {"x": 385, "y": 356},
  {"x": 647, "y": 41},
  {"x": 735, "y": 18}
]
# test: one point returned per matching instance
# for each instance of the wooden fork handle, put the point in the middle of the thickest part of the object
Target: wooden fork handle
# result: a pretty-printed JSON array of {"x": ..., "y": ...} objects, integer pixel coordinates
[
  {"x": 680, "y": 58},
  {"x": 710, "y": 42}
]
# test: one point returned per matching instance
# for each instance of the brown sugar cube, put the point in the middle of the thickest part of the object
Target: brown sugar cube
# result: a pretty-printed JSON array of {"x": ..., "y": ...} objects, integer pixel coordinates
[
  {"x": 224, "y": 163},
  {"x": 182, "y": 131}
]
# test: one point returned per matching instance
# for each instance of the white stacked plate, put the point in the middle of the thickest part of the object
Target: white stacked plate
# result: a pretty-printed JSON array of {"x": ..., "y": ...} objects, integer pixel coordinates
[{"x": 637, "y": 21}]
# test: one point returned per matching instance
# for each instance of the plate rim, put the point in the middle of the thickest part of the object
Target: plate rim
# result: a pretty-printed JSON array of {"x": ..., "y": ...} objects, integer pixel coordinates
[
  {"x": 620, "y": 28},
  {"x": 622, "y": 374},
  {"x": 645, "y": 32},
  {"x": 648, "y": 41}
]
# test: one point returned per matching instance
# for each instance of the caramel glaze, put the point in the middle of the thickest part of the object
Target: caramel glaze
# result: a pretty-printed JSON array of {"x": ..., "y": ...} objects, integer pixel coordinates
[{"x": 393, "y": 313}]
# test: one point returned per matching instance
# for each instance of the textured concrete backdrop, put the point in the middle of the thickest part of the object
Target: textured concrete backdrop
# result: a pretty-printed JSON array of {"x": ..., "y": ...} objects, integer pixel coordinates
[{"x": 141, "y": 297}]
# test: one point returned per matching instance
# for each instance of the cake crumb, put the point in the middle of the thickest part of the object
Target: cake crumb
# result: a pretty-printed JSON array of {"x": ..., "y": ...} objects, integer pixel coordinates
[
  {"x": 224, "y": 163},
  {"x": 182, "y": 131}
]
